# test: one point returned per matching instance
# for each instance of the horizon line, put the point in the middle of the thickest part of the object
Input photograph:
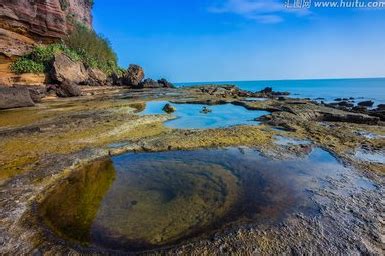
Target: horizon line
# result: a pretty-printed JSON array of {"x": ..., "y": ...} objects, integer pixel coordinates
[{"x": 280, "y": 80}]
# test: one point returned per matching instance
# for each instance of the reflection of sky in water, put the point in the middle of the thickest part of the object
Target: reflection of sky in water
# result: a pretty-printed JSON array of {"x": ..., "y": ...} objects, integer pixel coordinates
[
  {"x": 371, "y": 156},
  {"x": 189, "y": 116},
  {"x": 286, "y": 141}
]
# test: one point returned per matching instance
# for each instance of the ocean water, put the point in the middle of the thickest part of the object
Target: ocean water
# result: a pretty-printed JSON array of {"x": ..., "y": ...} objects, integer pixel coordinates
[{"x": 328, "y": 89}]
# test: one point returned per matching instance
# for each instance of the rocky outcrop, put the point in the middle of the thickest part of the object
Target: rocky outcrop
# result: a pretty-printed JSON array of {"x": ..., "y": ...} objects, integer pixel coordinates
[
  {"x": 165, "y": 84},
  {"x": 24, "y": 23},
  {"x": 268, "y": 92},
  {"x": 149, "y": 83},
  {"x": 368, "y": 103},
  {"x": 11, "y": 97},
  {"x": 65, "y": 69},
  {"x": 134, "y": 75},
  {"x": 44, "y": 20}
]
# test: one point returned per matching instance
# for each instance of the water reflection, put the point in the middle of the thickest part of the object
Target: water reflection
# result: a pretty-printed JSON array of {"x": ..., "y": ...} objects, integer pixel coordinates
[
  {"x": 71, "y": 209},
  {"x": 147, "y": 200}
]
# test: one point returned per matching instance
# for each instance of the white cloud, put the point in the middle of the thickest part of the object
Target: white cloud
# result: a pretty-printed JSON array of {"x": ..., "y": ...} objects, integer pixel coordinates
[{"x": 263, "y": 11}]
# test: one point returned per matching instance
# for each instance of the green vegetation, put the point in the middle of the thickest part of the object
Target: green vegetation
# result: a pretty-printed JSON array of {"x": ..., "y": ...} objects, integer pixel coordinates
[
  {"x": 25, "y": 65},
  {"x": 82, "y": 44},
  {"x": 95, "y": 50}
]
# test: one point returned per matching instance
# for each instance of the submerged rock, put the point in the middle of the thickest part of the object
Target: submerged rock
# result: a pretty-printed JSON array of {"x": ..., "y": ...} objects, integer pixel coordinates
[
  {"x": 168, "y": 108},
  {"x": 206, "y": 110},
  {"x": 12, "y": 97}
]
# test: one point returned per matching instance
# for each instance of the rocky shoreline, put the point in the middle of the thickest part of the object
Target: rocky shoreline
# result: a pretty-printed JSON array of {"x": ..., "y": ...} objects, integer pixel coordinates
[{"x": 44, "y": 144}]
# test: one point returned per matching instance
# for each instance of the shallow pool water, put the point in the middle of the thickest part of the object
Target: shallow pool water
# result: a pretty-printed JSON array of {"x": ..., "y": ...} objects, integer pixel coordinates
[
  {"x": 190, "y": 116},
  {"x": 140, "y": 201},
  {"x": 371, "y": 156},
  {"x": 287, "y": 141}
]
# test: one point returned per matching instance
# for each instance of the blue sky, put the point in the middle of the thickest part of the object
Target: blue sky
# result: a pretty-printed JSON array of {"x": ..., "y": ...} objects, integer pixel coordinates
[{"x": 228, "y": 40}]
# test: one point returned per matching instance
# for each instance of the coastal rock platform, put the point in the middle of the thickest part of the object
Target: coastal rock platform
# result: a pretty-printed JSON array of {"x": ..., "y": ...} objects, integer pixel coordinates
[{"x": 41, "y": 146}]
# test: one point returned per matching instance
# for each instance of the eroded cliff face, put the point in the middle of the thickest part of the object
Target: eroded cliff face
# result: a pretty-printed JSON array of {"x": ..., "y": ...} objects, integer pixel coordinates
[{"x": 24, "y": 23}]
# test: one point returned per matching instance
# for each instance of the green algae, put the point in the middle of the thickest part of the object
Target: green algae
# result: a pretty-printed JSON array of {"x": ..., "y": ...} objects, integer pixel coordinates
[{"x": 70, "y": 212}]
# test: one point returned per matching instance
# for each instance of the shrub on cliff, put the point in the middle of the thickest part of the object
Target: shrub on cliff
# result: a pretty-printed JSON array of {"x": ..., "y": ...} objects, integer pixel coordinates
[
  {"x": 82, "y": 44},
  {"x": 40, "y": 59},
  {"x": 25, "y": 65},
  {"x": 94, "y": 49}
]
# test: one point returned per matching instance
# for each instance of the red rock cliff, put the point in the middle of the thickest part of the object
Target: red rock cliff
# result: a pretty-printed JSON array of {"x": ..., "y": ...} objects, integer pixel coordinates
[{"x": 26, "y": 22}]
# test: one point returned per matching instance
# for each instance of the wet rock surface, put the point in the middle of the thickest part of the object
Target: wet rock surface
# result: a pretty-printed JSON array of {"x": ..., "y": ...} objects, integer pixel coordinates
[{"x": 43, "y": 145}]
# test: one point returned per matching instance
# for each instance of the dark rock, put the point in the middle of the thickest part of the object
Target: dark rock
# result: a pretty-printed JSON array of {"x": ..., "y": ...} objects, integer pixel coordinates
[
  {"x": 269, "y": 93},
  {"x": 116, "y": 80},
  {"x": 37, "y": 93},
  {"x": 65, "y": 69},
  {"x": 165, "y": 83},
  {"x": 360, "y": 109},
  {"x": 149, "y": 83},
  {"x": 267, "y": 90},
  {"x": 11, "y": 97},
  {"x": 134, "y": 75},
  {"x": 206, "y": 110},
  {"x": 351, "y": 118},
  {"x": 380, "y": 113},
  {"x": 345, "y": 104},
  {"x": 66, "y": 89},
  {"x": 381, "y": 107},
  {"x": 168, "y": 108},
  {"x": 367, "y": 103},
  {"x": 338, "y": 99}
]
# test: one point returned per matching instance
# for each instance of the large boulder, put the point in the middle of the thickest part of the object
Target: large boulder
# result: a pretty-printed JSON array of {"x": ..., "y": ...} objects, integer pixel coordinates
[
  {"x": 65, "y": 69},
  {"x": 11, "y": 97},
  {"x": 96, "y": 77},
  {"x": 65, "y": 89},
  {"x": 134, "y": 75}
]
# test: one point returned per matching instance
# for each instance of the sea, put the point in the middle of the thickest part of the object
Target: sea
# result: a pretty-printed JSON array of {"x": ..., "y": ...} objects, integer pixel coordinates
[{"x": 327, "y": 90}]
